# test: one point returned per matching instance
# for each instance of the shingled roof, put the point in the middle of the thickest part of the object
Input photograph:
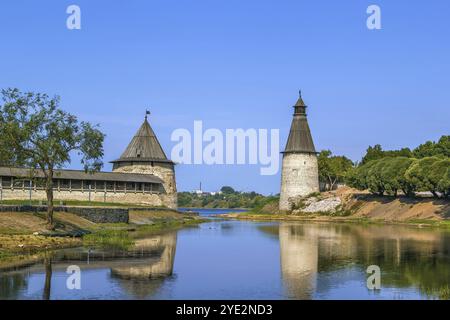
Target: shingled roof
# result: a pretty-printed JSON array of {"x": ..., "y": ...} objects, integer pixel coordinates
[
  {"x": 144, "y": 147},
  {"x": 80, "y": 175},
  {"x": 300, "y": 139}
]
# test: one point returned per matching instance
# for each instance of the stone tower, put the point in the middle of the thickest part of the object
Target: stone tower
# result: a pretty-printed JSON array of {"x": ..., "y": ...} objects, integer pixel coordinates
[
  {"x": 145, "y": 155},
  {"x": 300, "y": 174}
]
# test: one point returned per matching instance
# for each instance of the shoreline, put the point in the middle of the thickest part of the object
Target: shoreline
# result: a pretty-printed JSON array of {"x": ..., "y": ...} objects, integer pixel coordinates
[
  {"x": 20, "y": 245},
  {"x": 258, "y": 217}
]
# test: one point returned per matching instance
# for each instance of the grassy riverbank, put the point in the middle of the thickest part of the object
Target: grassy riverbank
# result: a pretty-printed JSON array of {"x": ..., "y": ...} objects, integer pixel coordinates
[
  {"x": 24, "y": 234},
  {"x": 324, "y": 218},
  {"x": 357, "y": 207}
]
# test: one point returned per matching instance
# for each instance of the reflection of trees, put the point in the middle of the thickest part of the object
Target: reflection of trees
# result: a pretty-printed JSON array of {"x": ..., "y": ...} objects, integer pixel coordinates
[
  {"x": 407, "y": 257},
  {"x": 48, "y": 278},
  {"x": 140, "y": 271},
  {"x": 11, "y": 284}
]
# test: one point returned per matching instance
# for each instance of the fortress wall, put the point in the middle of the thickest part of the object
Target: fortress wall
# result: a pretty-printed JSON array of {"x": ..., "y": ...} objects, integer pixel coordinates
[
  {"x": 152, "y": 199},
  {"x": 299, "y": 177},
  {"x": 164, "y": 171}
]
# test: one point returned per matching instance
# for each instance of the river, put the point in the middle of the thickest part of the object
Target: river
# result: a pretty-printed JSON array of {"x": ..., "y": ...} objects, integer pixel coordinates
[{"x": 228, "y": 259}]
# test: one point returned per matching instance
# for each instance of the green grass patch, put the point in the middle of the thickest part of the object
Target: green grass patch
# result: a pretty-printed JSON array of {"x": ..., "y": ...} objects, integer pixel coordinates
[
  {"x": 166, "y": 225},
  {"x": 5, "y": 254},
  {"x": 109, "y": 239},
  {"x": 432, "y": 223}
]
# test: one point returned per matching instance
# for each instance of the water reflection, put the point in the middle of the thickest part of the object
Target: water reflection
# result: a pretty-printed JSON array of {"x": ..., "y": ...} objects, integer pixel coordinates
[
  {"x": 139, "y": 271},
  {"x": 317, "y": 259},
  {"x": 134, "y": 276},
  {"x": 245, "y": 260}
]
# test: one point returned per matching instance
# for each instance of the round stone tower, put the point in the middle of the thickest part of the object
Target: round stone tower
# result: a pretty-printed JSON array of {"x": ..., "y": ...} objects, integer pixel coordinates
[
  {"x": 145, "y": 155},
  {"x": 300, "y": 173}
]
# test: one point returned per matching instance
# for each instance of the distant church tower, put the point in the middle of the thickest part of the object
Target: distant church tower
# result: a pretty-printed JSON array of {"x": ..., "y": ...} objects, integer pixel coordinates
[
  {"x": 145, "y": 155},
  {"x": 300, "y": 174}
]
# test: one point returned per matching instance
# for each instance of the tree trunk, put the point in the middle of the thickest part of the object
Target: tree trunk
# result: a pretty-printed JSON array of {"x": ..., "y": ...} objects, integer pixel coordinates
[
  {"x": 330, "y": 183},
  {"x": 49, "y": 192}
]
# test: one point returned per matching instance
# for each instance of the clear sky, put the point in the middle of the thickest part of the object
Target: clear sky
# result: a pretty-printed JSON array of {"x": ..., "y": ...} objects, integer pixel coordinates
[{"x": 238, "y": 64}]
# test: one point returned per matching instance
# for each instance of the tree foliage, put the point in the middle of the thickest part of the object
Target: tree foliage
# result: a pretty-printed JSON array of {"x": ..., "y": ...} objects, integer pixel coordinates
[
  {"x": 229, "y": 198},
  {"x": 37, "y": 134},
  {"x": 376, "y": 152},
  {"x": 332, "y": 169},
  {"x": 431, "y": 148},
  {"x": 392, "y": 174}
]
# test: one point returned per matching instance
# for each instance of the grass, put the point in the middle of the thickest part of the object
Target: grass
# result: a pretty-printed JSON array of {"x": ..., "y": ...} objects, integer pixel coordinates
[
  {"x": 109, "y": 239},
  {"x": 118, "y": 235},
  {"x": 5, "y": 254},
  {"x": 165, "y": 225},
  {"x": 431, "y": 223}
]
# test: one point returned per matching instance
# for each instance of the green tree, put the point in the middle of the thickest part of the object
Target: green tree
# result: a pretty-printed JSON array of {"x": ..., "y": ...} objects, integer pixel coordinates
[
  {"x": 375, "y": 181},
  {"x": 227, "y": 190},
  {"x": 430, "y": 148},
  {"x": 376, "y": 153},
  {"x": 439, "y": 177},
  {"x": 393, "y": 175},
  {"x": 420, "y": 175},
  {"x": 359, "y": 177},
  {"x": 37, "y": 134},
  {"x": 333, "y": 169},
  {"x": 372, "y": 153}
]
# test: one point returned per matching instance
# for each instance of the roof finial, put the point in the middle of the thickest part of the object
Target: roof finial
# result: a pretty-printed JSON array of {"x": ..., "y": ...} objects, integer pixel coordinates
[
  {"x": 300, "y": 93},
  {"x": 146, "y": 113}
]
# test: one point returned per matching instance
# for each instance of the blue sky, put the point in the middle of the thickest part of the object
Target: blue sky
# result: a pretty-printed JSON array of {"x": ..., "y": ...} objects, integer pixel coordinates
[{"x": 238, "y": 64}]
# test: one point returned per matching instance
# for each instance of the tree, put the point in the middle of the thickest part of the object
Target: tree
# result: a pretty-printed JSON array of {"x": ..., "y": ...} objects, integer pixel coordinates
[
  {"x": 227, "y": 190},
  {"x": 420, "y": 175},
  {"x": 332, "y": 169},
  {"x": 439, "y": 176},
  {"x": 359, "y": 177},
  {"x": 376, "y": 153},
  {"x": 37, "y": 134},
  {"x": 430, "y": 148},
  {"x": 393, "y": 176},
  {"x": 373, "y": 153},
  {"x": 375, "y": 181}
]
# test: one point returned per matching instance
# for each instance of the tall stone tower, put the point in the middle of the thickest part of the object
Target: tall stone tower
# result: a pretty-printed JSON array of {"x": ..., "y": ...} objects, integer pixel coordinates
[
  {"x": 300, "y": 173},
  {"x": 145, "y": 155}
]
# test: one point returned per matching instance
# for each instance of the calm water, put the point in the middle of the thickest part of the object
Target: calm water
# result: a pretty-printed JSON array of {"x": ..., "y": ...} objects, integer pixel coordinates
[{"x": 249, "y": 260}]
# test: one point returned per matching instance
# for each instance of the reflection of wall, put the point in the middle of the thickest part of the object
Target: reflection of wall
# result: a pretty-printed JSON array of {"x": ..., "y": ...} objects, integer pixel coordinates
[
  {"x": 299, "y": 259},
  {"x": 143, "y": 277},
  {"x": 161, "y": 267},
  {"x": 408, "y": 257}
]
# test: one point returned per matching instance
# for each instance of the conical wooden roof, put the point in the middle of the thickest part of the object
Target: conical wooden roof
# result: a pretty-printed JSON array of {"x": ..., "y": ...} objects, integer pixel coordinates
[
  {"x": 144, "y": 147},
  {"x": 300, "y": 139}
]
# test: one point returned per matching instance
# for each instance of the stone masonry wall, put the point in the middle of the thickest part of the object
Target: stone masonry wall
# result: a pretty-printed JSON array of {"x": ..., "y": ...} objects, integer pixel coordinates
[
  {"x": 97, "y": 215},
  {"x": 164, "y": 171},
  {"x": 151, "y": 199},
  {"x": 299, "y": 177}
]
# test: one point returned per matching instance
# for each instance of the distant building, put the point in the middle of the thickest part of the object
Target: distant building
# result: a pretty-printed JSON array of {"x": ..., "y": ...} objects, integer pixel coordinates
[
  {"x": 300, "y": 173},
  {"x": 142, "y": 175}
]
